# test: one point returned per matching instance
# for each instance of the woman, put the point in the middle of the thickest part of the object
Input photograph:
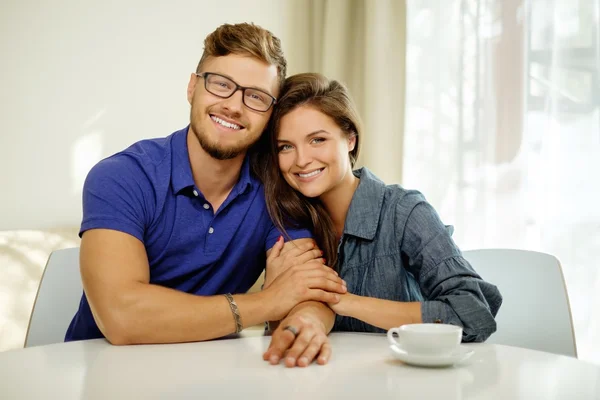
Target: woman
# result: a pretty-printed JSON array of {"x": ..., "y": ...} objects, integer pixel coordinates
[{"x": 398, "y": 259}]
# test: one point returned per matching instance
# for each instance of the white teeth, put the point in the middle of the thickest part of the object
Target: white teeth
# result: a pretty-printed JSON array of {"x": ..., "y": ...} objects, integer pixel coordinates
[
  {"x": 310, "y": 174},
  {"x": 225, "y": 123}
]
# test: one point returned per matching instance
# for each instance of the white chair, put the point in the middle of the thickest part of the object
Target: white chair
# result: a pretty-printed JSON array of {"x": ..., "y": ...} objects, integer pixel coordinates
[
  {"x": 57, "y": 299},
  {"x": 535, "y": 311}
]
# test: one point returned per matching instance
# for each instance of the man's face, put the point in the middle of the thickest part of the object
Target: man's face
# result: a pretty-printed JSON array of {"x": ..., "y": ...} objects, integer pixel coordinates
[{"x": 226, "y": 128}]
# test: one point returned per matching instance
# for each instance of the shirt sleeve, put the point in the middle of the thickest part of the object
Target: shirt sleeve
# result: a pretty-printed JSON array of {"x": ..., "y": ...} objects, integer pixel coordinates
[
  {"x": 115, "y": 196},
  {"x": 294, "y": 233},
  {"x": 454, "y": 293}
]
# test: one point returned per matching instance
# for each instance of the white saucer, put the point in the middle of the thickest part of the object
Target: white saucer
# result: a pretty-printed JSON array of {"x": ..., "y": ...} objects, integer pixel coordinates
[{"x": 461, "y": 354}]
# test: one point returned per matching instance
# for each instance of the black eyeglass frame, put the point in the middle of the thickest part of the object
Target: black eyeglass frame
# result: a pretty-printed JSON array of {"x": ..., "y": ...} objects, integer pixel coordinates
[{"x": 204, "y": 75}]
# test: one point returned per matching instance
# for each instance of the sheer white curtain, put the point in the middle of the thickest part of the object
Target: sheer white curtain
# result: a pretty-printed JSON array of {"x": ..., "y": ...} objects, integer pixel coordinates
[{"x": 502, "y": 131}]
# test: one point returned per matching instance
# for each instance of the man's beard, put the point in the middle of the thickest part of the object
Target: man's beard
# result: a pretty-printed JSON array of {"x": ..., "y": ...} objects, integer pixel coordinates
[{"x": 213, "y": 149}]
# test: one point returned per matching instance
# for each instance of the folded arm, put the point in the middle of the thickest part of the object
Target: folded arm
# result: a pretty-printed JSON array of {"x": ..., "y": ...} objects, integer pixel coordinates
[
  {"x": 454, "y": 293},
  {"x": 311, "y": 320},
  {"x": 115, "y": 270},
  {"x": 130, "y": 310}
]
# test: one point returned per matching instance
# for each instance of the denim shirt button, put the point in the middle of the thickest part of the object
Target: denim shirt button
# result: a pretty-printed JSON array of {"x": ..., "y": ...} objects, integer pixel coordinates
[{"x": 437, "y": 321}]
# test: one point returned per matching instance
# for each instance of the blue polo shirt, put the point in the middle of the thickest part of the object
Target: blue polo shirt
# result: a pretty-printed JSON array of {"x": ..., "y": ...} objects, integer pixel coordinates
[{"x": 148, "y": 192}]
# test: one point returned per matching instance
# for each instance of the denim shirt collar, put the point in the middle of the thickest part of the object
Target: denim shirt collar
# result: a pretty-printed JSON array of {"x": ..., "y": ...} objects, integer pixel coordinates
[{"x": 363, "y": 215}]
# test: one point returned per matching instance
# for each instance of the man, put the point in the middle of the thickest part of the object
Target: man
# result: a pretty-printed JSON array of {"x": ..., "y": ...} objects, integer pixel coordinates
[{"x": 173, "y": 226}]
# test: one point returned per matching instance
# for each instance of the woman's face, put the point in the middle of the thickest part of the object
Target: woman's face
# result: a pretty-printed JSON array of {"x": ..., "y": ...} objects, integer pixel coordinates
[{"x": 313, "y": 151}]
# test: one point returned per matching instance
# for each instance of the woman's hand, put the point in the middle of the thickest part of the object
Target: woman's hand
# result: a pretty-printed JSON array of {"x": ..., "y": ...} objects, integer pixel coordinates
[
  {"x": 345, "y": 305},
  {"x": 299, "y": 339},
  {"x": 311, "y": 281},
  {"x": 282, "y": 256}
]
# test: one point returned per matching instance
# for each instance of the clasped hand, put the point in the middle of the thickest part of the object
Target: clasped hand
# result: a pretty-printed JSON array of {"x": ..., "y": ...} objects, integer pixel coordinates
[
  {"x": 299, "y": 340},
  {"x": 296, "y": 273}
]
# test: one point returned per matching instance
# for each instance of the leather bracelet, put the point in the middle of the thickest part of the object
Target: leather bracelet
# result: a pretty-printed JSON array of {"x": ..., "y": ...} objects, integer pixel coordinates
[{"x": 236, "y": 313}]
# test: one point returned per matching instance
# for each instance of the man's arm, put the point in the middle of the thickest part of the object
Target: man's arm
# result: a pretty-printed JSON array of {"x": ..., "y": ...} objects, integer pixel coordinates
[{"x": 130, "y": 310}]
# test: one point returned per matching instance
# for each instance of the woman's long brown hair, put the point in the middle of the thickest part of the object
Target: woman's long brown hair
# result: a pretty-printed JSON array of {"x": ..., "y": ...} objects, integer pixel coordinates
[{"x": 287, "y": 207}]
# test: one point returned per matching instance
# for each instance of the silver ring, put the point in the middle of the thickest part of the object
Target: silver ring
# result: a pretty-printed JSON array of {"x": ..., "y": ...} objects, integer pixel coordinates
[{"x": 291, "y": 329}]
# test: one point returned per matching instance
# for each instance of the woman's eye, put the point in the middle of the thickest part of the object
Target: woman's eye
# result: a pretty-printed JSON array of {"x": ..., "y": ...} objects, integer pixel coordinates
[
  {"x": 317, "y": 140},
  {"x": 284, "y": 147}
]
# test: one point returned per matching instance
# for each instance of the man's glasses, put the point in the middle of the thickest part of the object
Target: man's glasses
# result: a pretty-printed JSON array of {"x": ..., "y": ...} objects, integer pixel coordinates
[{"x": 224, "y": 88}]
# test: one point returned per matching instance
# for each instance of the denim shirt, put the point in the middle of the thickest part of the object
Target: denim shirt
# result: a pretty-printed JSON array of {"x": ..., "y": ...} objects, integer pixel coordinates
[{"x": 395, "y": 247}]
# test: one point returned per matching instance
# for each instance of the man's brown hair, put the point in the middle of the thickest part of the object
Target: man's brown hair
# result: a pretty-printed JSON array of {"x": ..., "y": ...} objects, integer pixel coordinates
[{"x": 247, "y": 40}]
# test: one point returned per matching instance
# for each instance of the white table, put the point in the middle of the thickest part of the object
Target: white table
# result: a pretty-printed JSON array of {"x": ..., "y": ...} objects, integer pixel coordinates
[{"x": 361, "y": 367}]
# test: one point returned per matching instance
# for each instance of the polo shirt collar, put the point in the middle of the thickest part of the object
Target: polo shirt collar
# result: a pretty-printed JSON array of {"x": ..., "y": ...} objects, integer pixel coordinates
[
  {"x": 246, "y": 180},
  {"x": 181, "y": 171}
]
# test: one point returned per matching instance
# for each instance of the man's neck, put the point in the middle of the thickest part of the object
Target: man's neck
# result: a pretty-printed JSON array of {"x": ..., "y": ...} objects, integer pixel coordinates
[{"x": 215, "y": 178}]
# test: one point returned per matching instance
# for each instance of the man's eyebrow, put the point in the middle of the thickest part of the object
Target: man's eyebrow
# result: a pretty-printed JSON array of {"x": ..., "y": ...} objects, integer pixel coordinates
[
  {"x": 248, "y": 87},
  {"x": 260, "y": 90}
]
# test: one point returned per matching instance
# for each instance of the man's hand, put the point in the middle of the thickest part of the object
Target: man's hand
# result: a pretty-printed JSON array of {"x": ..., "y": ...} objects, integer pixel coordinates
[
  {"x": 283, "y": 256},
  {"x": 311, "y": 281},
  {"x": 299, "y": 339}
]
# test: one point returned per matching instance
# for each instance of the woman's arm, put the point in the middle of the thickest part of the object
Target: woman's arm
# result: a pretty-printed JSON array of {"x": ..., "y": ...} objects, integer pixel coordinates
[
  {"x": 384, "y": 314},
  {"x": 454, "y": 293}
]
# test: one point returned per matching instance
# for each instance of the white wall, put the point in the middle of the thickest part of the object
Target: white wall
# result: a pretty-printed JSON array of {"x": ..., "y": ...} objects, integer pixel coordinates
[{"x": 82, "y": 80}]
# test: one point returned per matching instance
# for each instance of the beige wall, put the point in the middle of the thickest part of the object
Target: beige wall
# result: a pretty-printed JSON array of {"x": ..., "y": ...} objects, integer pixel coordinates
[{"x": 82, "y": 80}]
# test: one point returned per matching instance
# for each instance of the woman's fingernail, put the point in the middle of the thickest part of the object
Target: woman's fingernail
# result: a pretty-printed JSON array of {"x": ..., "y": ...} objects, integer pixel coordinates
[
  {"x": 274, "y": 359},
  {"x": 291, "y": 360},
  {"x": 303, "y": 361}
]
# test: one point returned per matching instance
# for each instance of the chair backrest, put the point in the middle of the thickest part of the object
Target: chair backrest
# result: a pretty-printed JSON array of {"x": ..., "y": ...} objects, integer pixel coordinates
[
  {"x": 535, "y": 311},
  {"x": 57, "y": 299}
]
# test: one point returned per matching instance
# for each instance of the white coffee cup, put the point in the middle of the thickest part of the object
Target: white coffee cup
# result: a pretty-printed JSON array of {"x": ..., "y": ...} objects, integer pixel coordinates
[{"x": 426, "y": 339}]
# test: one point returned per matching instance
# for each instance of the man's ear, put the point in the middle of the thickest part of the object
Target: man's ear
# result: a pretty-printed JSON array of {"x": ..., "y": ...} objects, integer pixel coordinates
[{"x": 191, "y": 87}]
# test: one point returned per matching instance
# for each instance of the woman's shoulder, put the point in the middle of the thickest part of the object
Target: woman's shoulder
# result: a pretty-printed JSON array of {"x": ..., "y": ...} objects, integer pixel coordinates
[
  {"x": 394, "y": 195},
  {"x": 403, "y": 198}
]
